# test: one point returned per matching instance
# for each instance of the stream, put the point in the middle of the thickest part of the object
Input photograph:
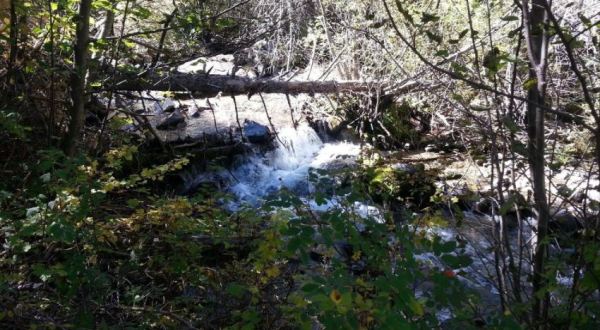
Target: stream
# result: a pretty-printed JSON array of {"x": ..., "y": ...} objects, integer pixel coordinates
[{"x": 255, "y": 176}]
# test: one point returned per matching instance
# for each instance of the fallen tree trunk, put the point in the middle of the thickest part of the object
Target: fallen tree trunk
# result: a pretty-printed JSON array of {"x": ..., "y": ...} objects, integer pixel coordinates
[{"x": 207, "y": 85}]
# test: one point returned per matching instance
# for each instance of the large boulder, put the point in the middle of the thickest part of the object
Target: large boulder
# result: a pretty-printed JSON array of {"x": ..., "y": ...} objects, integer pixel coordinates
[{"x": 256, "y": 133}]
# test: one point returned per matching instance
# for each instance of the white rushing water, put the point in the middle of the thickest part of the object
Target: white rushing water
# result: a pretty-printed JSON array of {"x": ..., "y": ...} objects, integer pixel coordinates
[{"x": 288, "y": 164}]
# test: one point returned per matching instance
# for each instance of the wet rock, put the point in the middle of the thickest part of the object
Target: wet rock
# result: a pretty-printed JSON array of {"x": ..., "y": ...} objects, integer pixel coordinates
[
  {"x": 484, "y": 206},
  {"x": 453, "y": 176},
  {"x": 129, "y": 128},
  {"x": 91, "y": 119},
  {"x": 195, "y": 112},
  {"x": 138, "y": 108},
  {"x": 431, "y": 148},
  {"x": 341, "y": 163},
  {"x": 514, "y": 202},
  {"x": 402, "y": 182},
  {"x": 328, "y": 126},
  {"x": 574, "y": 110},
  {"x": 167, "y": 105},
  {"x": 458, "y": 193},
  {"x": 171, "y": 121},
  {"x": 256, "y": 133},
  {"x": 510, "y": 220},
  {"x": 564, "y": 223},
  {"x": 565, "y": 227},
  {"x": 407, "y": 168}
]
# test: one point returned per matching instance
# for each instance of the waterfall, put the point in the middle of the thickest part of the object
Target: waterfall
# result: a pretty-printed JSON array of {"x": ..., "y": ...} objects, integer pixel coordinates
[{"x": 287, "y": 166}]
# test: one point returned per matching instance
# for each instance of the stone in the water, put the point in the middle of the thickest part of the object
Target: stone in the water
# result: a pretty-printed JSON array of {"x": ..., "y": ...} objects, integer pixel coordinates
[
  {"x": 255, "y": 132},
  {"x": 138, "y": 108},
  {"x": 196, "y": 111},
  {"x": 564, "y": 223},
  {"x": 167, "y": 105},
  {"x": 171, "y": 121},
  {"x": 129, "y": 128},
  {"x": 404, "y": 167},
  {"x": 330, "y": 126}
]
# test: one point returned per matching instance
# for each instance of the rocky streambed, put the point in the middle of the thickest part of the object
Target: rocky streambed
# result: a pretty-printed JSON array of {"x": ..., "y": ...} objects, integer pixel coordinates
[{"x": 281, "y": 150}]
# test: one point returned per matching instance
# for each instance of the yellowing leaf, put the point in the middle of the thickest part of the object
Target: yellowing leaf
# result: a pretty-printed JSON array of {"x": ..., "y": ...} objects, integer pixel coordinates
[
  {"x": 416, "y": 307},
  {"x": 272, "y": 271},
  {"x": 529, "y": 84},
  {"x": 335, "y": 296}
]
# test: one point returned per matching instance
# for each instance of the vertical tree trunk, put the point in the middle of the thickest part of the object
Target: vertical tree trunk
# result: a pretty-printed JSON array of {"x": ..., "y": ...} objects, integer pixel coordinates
[
  {"x": 108, "y": 26},
  {"x": 535, "y": 24},
  {"x": 12, "y": 57},
  {"x": 78, "y": 78}
]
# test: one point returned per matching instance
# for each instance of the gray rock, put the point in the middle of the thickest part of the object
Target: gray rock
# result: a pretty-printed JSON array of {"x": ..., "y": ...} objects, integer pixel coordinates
[
  {"x": 196, "y": 111},
  {"x": 564, "y": 223},
  {"x": 129, "y": 128},
  {"x": 484, "y": 205},
  {"x": 404, "y": 167},
  {"x": 431, "y": 148},
  {"x": 256, "y": 133},
  {"x": 138, "y": 108},
  {"x": 167, "y": 105},
  {"x": 171, "y": 121}
]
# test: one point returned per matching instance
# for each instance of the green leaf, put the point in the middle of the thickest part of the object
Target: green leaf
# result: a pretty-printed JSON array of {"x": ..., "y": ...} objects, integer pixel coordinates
[
  {"x": 311, "y": 287},
  {"x": 514, "y": 32},
  {"x": 586, "y": 21},
  {"x": 404, "y": 12},
  {"x": 510, "y": 124},
  {"x": 519, "y": 148},
  {"x": 510, "y": 18},
  {"x": 416, "y": 307},
  {"x": 456, "y": 262},
  {"x": 426, "y": 18},
  {"x": 62, "y": 232},
  {"x": 320, "y": 199},
  {"x": 509, "y": 204},
  {"x": 458, "y": 68},
  {"x": 103, "y": 4},
  {"x": 530, "y": 84},
  {"x": 141, "y": 12},
  {"x": 237, "y": 290},
  {"x": 442, "y": 53},
  {"x": 434, "y": 37}
]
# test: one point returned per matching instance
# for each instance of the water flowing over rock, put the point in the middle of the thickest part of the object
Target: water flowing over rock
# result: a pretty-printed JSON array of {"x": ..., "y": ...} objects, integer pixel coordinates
[{"x": 296, "y": 152}]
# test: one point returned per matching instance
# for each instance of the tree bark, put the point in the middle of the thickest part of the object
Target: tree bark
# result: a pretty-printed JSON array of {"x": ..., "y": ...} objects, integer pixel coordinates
[
  {"x": 203, "y": 85},
  {"x": 535, "y": 22},
  {"x": 78, "y": 93},
  {"x": 107, "y": 27},
  {"x": 12, "y": 57}
]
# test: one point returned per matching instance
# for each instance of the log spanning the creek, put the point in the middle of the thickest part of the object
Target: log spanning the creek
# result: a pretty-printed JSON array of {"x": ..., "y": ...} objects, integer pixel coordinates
[{"x": 207, "y": 85}]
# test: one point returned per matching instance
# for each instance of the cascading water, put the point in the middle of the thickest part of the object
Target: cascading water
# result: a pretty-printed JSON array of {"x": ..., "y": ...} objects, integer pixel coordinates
[{"x": 287, "y": 166}]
